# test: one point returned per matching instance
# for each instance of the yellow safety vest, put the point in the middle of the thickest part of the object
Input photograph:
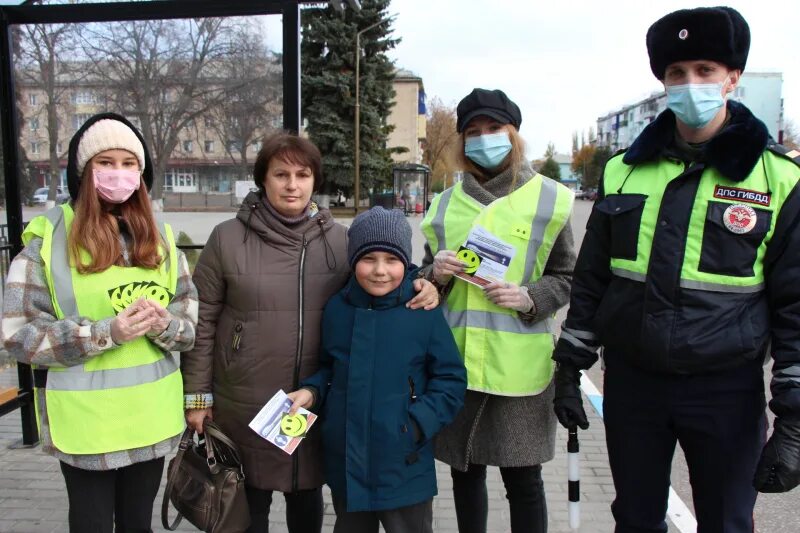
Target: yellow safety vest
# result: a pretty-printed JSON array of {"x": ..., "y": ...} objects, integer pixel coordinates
[
  {"x": 129, "y": 396},
  {"x": 730, "y": 226},
  {"x": 503, "y": 355}
]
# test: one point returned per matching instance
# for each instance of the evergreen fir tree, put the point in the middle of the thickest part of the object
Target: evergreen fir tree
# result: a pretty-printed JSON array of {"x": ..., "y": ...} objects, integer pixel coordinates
[{"x": 328, "y": 92}]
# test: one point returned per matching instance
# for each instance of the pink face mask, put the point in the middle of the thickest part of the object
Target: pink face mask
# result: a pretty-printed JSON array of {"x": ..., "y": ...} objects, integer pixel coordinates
[{"x": 116, "y": 185}]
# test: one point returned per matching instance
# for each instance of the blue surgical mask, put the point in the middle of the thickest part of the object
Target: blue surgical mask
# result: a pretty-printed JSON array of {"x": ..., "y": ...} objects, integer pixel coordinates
[
  {"x": 695, "y": 104},
  {"x": 488, "y": 151}
]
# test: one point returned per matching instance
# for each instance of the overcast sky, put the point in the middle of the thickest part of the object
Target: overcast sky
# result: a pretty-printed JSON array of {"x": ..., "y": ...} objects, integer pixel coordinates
[{"x": 567, "y": 62}]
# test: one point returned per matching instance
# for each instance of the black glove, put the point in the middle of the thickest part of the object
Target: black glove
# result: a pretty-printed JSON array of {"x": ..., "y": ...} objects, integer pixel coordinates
[
  {"x": 779, "y": 467},
  {"x": 568, "y": 403}
]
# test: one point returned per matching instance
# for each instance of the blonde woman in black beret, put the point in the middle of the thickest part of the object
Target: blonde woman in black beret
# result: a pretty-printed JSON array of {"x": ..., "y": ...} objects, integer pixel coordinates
[
  {"x": 504, "y": 329},
  {"x": 687, "y": 278}
]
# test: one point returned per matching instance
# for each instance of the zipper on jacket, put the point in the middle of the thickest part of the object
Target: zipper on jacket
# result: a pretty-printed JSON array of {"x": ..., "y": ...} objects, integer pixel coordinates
[
  {"x": 237, "y": 337},
  {"x": 412, "y": 393},
  {"x": 299, "y": 354}
]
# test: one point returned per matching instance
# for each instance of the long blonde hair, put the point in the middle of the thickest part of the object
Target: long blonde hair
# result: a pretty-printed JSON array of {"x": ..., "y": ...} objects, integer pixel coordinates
[
  {"x": 513, "y": 160},
  {"x": 95, "y": 229}
]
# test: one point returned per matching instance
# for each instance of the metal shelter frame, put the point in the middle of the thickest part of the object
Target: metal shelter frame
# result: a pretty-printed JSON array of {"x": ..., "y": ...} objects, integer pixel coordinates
[{"x": 27, "y": 13}]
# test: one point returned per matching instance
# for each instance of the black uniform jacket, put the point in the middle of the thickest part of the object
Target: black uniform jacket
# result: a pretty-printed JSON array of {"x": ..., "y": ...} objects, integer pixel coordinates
[{"x": 676, "y": 336}]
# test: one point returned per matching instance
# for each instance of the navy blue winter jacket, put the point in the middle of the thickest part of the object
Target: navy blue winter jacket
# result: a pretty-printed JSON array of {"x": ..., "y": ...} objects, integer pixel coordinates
[{"x": 384, "y": 368}]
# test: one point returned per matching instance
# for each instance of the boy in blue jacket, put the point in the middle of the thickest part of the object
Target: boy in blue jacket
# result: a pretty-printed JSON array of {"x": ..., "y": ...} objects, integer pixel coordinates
[{"x": 390, "y": 379}]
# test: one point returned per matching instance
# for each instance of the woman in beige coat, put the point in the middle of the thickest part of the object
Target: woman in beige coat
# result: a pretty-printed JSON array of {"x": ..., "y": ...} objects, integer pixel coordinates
[{"x": 263, "y": 280}]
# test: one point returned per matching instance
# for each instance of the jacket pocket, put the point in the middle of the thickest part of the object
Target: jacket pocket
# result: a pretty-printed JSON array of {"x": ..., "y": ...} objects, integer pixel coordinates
[
  {"x": 625, "y": 214},
  {"x": 231, "y": 342},
  {"x": 726, "y": 252}
]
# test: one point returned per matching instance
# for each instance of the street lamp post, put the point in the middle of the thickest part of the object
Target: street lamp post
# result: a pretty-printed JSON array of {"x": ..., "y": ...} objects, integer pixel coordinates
[{"x": 357, "y": 125}]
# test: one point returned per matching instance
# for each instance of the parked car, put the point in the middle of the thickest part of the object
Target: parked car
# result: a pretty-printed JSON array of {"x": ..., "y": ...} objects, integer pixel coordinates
[
  {"x": 588, "y": 194},
  {"x": 39, "y": 196}
]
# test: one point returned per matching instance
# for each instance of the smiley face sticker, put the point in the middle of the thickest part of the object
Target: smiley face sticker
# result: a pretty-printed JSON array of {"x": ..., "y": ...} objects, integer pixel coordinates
[
  {"x": 471, "y": 260},
  {"x": 294, "y": 425}
]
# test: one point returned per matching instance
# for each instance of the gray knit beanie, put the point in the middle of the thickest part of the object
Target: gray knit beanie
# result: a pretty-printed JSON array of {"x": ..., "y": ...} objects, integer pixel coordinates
[{"x": 379, "y": 229}]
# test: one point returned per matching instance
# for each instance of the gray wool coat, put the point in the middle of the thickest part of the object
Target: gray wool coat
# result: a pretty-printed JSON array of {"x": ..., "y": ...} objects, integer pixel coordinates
[{"x": 501, "y": 430}]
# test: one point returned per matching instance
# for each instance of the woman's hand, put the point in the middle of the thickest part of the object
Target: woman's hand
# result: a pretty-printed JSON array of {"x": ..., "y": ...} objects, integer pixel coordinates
[
  {"x": 427, "y": 296},
  {"x": 300, "y": 398},
  {"x": 510, "y": 296},
  {"x": 163, "y": 318},
  {"x": 196, "y": 417},
  {"x": 445, "y": 266},
  {"x": 133, "y": 322}
]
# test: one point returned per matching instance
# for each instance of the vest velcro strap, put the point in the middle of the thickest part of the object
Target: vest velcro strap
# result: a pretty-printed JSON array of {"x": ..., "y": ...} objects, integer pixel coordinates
[
  {"x": 495, "y": 321},
  {"x": 76, "y": 378}
]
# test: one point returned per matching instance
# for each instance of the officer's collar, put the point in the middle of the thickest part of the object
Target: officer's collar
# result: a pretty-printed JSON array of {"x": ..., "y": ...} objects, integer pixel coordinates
[{"x": 734, "y": 151}]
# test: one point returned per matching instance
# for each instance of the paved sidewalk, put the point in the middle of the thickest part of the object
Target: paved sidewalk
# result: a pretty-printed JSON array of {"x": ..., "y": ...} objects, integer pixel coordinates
[{"x": 33, "y": 499}]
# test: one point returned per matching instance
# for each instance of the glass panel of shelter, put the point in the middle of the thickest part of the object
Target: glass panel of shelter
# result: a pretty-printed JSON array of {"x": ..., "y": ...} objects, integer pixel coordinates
[{"x": 188, "y": 130}]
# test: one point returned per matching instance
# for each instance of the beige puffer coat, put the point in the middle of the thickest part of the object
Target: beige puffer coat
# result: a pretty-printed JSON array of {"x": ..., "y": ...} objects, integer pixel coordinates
[{"x": 266, "y": 285}]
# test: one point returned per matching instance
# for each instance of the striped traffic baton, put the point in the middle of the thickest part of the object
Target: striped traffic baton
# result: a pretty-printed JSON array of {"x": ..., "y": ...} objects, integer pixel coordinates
[{"x": 574, "y": 478}]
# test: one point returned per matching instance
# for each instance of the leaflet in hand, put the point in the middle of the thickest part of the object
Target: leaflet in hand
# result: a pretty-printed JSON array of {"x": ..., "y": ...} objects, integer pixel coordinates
[
  {"x": 486, "y": 257},
  {"x": 274, "y": 423}
]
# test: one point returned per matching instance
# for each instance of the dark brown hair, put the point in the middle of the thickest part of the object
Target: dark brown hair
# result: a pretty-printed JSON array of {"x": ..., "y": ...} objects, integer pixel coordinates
[
  {"x": 96, "y": 230},
  {"x": 291, "y": 149}
]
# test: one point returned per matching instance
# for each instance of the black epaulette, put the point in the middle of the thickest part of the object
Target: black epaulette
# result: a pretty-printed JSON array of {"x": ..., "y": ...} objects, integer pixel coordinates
[{"x": 783, "y": 151}]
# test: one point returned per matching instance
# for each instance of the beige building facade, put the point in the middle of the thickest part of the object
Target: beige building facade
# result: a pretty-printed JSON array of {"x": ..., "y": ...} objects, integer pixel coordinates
[
  {"x": 204, "y": 159},
  {"x": 408, "y": 117}
]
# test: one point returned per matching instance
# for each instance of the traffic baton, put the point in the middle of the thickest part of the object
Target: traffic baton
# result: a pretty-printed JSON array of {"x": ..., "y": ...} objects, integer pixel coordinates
[{"x": 574, "y": 479}]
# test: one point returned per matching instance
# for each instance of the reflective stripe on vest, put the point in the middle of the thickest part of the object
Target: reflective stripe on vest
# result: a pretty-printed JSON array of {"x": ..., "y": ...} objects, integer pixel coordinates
[
  {"x": 705, "y": 267},
  {"x": 128, "y": 396},
  {"x": 503, "y": 354},
  {"x": 495, "y": 322}
]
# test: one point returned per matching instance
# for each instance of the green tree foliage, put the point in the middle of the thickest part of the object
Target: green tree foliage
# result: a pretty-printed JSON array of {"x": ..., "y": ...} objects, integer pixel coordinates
[
  {"x": 589, "y": 163},
  {"x": 191, "y": 255},
  {"x": 551, "y": 169},
  {"x": 328, "y": 91},
  {"x": 599, "y": 159}
]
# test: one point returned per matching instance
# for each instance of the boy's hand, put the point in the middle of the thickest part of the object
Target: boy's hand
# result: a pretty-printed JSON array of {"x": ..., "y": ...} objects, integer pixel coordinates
[
  {"x": 300, "y": 398},
  {"x": 427, "y": 296}
]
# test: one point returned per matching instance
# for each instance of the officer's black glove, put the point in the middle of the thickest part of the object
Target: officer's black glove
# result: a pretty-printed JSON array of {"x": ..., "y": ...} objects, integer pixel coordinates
[
  {"x": 779, "y": 467},
  {"x": 568, "y": 403}
]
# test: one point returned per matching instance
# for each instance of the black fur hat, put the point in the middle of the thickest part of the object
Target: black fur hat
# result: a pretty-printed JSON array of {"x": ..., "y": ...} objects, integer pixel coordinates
[{"x": 715, "y": 33}]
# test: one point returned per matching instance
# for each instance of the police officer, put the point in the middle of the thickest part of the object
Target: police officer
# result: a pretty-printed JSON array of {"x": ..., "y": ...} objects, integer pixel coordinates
[{"x": 687, "y": 278}]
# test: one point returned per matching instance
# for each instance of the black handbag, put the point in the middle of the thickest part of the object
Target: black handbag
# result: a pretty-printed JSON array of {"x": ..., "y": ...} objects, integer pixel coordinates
[{"x": 205, "y": 483}]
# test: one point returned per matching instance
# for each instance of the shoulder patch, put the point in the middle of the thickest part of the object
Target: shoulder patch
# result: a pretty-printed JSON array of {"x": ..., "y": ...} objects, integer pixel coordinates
[{"x": 782, "y": 150}]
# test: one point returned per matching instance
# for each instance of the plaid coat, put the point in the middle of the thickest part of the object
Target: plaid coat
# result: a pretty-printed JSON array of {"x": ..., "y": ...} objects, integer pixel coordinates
[{"x": 32, "y": 334}]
